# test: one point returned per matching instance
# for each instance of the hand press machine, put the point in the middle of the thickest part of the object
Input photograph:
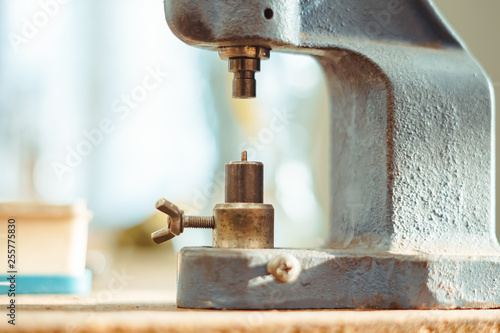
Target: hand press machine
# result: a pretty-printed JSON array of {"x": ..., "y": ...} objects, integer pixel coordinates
[{"x": 412, "y": 163}]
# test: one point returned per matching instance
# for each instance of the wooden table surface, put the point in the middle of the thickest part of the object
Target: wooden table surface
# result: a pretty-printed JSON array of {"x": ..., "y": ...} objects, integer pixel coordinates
[{"x": 149, "y": 311}]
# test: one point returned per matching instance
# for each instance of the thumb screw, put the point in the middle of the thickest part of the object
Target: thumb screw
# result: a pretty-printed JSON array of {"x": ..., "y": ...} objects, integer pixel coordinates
[{"x": 177, "y": 221}]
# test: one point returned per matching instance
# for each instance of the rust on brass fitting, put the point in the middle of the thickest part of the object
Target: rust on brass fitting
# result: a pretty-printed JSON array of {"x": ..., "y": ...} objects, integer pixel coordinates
[
  {"x": 244, "y": 61},
  {"x": 244, "y": 225},
  {"x": 244, "y": 181},
  {"x": 243, "y": 221}
]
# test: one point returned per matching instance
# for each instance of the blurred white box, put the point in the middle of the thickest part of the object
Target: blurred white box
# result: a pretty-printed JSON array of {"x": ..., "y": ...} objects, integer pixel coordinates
[{"x": 50, "y": 246}]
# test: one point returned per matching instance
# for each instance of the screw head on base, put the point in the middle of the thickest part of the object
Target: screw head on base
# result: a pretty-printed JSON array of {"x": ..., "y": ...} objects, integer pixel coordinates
[{"x": 285, "y": 268}]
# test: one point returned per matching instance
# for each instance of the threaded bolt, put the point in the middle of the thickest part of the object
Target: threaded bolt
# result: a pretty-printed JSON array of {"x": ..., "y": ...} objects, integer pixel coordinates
[{"x": 200, "y": 222}]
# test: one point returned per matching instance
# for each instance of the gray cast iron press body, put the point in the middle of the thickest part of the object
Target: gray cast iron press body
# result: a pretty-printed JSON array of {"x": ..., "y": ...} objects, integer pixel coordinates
[{"x": 412, "y": 180}]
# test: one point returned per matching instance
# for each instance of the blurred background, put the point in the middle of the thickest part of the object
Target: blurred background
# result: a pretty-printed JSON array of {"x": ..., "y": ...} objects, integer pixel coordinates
[{"x": 98, "y": 100}]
